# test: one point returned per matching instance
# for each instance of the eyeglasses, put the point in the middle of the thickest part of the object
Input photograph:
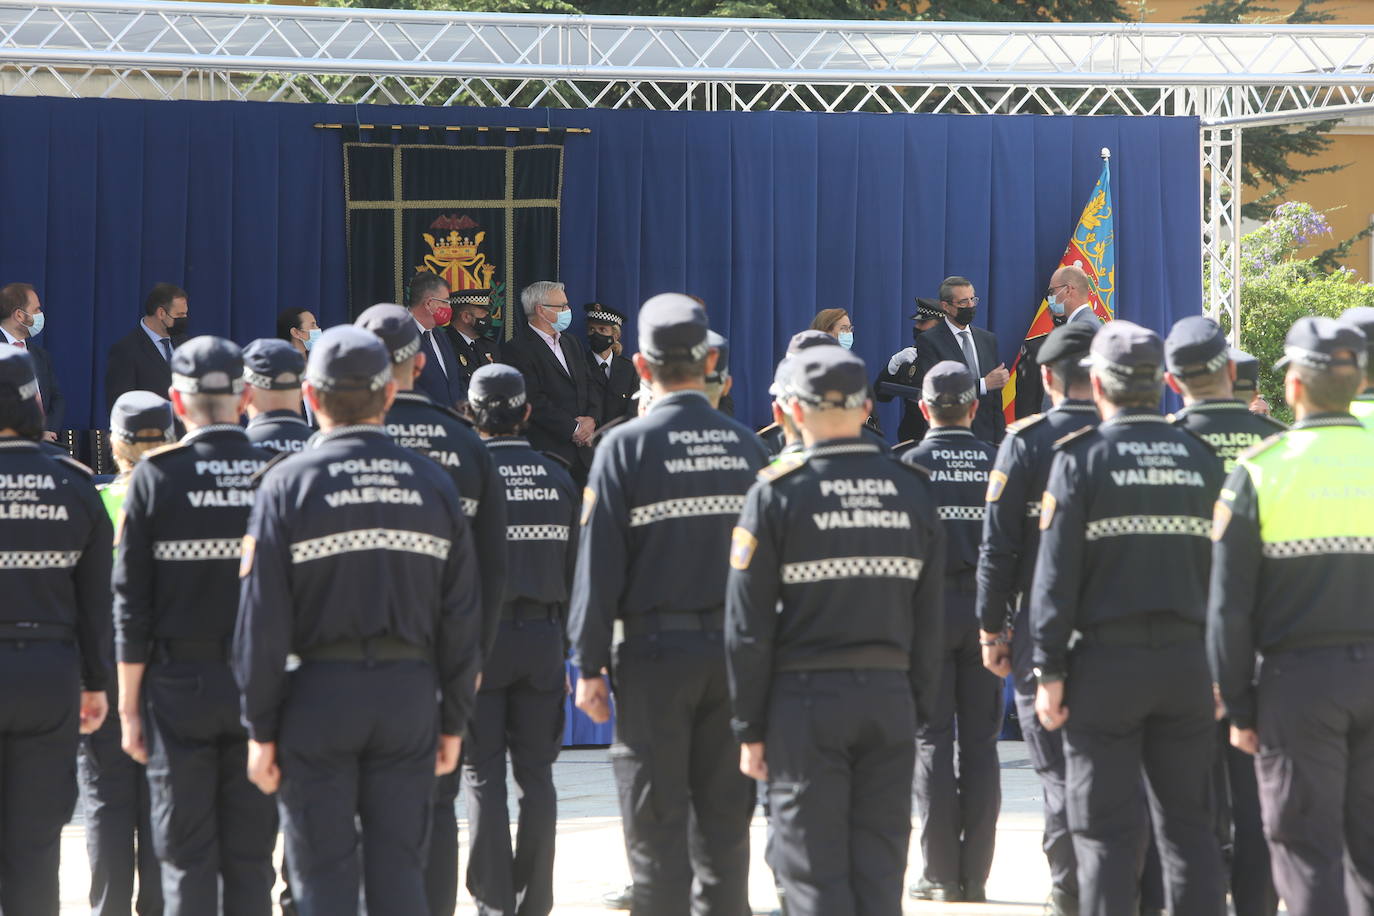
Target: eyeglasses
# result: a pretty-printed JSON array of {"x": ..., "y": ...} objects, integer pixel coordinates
[
  {"x": 1051, "y": 290},
  {"x": 439, "y": 299},
  {"x": 556, "y": 308},
  {"x": 967, "y": 300},
  {"x": 845, "y": 329}
]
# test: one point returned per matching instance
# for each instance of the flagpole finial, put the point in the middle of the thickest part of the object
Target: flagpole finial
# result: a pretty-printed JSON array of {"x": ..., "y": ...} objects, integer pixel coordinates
[{"x": 1106, "y": 153}]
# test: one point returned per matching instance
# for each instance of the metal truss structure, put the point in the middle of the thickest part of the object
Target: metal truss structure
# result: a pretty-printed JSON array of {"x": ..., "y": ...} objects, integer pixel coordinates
[{"x": 1231, "y": 77}]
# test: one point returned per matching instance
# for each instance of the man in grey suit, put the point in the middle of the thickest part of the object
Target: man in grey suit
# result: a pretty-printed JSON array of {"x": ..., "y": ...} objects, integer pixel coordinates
[{"x": 1070, "y": 300}]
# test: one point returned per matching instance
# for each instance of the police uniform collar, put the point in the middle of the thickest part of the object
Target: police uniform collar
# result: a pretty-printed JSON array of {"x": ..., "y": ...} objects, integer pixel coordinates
[
  {"x": 288, "y": 416},
  {"x": 846, "y": 446},
  {"x": 500, "y": 441},
  {"x": 1137, "y": 415},
  {"x": 16, "y": 442},
  {"x": 212, "y": 430},
  {"x": 1213, "y": 404},
  {"x": 944, "y": 432},
  {"x": 1317, "y": 421},
  {"x": 682, "y": 395},
  {"x": 340, "y": 432},
  {"x": 1366, "y": 395},
  {"x": 1076, "y": 405},
  {"x": 412, "y": 397}
]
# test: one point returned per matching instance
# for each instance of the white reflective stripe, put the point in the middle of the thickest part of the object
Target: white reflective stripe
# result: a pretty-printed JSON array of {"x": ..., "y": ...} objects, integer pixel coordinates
[
  {"x": 470, "y": 506},
  {"x": 852, "y": 568},
  {"x": 39, "y": 559},
  {"x": 1317, "y": 547},
  {"x": 370, "y": 539},
  {"x": 537, "y": 532},
  {"x": 1033, "y": 510},
  {"x": 687, "y": 507},
  {"x": 199, "y": 549},
  {"x": 1148, "y": 524},
  {"x": 962, "y": 513}
]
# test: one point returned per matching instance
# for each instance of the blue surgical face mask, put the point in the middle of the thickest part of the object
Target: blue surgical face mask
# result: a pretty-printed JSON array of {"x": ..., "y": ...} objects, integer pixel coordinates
[
  {"x": 315, "y": 334},
  {"x": 847, "y": 339},
  {"x": 1057, "y": 306},
  {"x": 37, "y": 327},
  {"x": 562, "y": 320}
]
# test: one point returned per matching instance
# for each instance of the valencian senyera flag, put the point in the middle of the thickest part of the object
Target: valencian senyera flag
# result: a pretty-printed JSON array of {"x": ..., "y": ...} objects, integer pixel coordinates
[
  {"x": 1092, "y": 247},
  {"x": 481, "y": 211}
]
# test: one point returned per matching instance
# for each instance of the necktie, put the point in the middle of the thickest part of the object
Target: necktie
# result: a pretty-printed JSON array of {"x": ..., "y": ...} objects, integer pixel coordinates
[
  {"x": 434, "y": 346},
  {"x": 607, "y": 366},
  {"x": 166, "y": 348},
  {"x": 970, "y": 355}
]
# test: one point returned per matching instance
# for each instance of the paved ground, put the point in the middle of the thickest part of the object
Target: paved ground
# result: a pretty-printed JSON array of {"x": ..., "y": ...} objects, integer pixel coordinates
[{"x": 591, "y": 856}]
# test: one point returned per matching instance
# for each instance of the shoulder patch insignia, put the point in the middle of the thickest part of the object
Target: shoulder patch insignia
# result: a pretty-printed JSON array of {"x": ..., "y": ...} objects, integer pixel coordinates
[
  {"x": 588, "y": 503},
  {"x": 997, "y": 481},
  {"x": 1047, "y": 506},
  {"x": 1074, "y": 436},
  {"x": 1025, "y": 423},
  {"x": 250, "y": 545},
  {"x": 782, "y": 466},
  {"x": 742, "y": 547},
  {"x": 1221, "y": 517},
  {"x": 1262, "y": 446}
]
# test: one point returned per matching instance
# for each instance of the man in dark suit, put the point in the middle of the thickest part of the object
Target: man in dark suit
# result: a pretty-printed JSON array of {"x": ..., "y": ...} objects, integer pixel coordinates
[
  {"x": 141, "y": 360},
  {"x": 21, "y": 320},
  {"x": 1069, "y": 298},
  {"x": 469, "y": 332},
  {"x": 954, "y": 337},
  {"x": 613, "y": 374},
  {"x": 442, "y": 380},
  {"x": 565, "y": 401}
]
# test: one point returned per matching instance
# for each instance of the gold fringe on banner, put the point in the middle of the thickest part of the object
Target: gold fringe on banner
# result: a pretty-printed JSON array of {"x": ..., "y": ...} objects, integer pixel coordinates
[{"x": 538, "y": 130}]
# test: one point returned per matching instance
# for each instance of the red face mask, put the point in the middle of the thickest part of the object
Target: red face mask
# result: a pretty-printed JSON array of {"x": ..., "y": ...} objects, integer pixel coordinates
[{"x": 443, "y": 314}]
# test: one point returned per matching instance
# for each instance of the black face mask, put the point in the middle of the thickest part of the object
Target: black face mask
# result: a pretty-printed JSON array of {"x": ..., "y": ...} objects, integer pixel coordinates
[
  {"x": 482, "y": 325},
  {"x": 964, "y": 315},
  {"x": 916, "y": 332},
  {"x": 179, "y": 326},
  {"x": 600, "y": 342}
]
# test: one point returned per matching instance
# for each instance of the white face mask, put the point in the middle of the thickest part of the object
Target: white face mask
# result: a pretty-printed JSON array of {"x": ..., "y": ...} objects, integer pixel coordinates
[
  {"x": 36, "y": 327},
  {"x": 313, "y": 335}
]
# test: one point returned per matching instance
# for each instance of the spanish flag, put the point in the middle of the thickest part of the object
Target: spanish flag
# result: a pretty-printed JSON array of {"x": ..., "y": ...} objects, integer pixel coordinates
[{"x": 1092, "y": 247}]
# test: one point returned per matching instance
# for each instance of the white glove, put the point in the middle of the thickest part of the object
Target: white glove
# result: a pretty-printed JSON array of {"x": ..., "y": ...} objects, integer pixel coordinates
[{"x": 901, "y": 358}]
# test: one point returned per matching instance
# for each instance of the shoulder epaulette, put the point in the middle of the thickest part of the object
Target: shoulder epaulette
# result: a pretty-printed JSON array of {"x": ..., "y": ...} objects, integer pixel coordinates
[
  {"x": 1279, "y": 425},
  {"x": 558, "y": 459},
  {"x": 608, "y": 426},
  {"x": 1025, "y": 423},
  {"x": 1173, "y": 418},
  {"x": 75, "y": 465},
  {"x": 1074, "y": 436},
  {"x": 903, "y": 446},
  {"x": 1196, "y": 435},
  {"x": 783, "y": 465},
  {"x": 451, "y": 412},
  {"x": 156, "y": 453},
  {"x": 915, "y": 467},
  {"x": 1262, "y": 446},
  {"x": 767, "y": 429},
  {"x": 275, "y": 460}
]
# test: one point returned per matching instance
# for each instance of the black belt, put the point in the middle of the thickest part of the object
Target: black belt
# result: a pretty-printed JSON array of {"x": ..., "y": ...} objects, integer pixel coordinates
[
  {"x": 869, "y": 658},
  {"x": 190, "y": 650},
  {"x": 709, "y": 620},
  {"x": 25, "y": 630},
  {"x": 521, "y": 611},
  {"x": 1148, "y": 631},
  {"x": 377, "y": 649}
]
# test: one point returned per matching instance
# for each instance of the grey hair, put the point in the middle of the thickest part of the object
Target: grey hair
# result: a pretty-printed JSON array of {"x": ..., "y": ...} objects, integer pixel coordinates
[
  {"x": 533, "y": 296},
  {"x": 1077, "y": 277},
  {"x": 206, "y": 409},
  {"x": 1128, "y": 392}
]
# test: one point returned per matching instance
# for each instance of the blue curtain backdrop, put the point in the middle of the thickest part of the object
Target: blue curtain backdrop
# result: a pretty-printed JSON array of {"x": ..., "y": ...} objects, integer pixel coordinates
[{"x": 767, "y": 216}]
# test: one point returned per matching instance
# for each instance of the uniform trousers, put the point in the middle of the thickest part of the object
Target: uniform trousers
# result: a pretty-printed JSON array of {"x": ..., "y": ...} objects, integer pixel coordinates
[
  {"x": 840, "y": 748},
  {"x": 1134, "y": 708},
  {"x": 520, "y": 710},
  {"x": 684, "y": 803},
  {"x": 441, "y": 866},
  {"x": 213, "y": 830},
  {"x": 119, "y": 828},
  {"x": 959, "y": 806},
  {"x": 40, "y": 688},
  {"x": 356, "y": 749},
  {"x": 1252, "y": 882},
  {"x": 1316, "y": 776}
]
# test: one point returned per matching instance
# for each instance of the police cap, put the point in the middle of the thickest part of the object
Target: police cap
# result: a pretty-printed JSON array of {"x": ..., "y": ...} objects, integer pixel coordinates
[
  {"x": 347, "y": 358},
  {"x": 1129, "y": 353},
  {"x": 1247, "y": 372},
  {"x": 604, "y": 314},
  {"x": 496, "y": 385},
  {"x": 722, "y": 348},
  {"x": 823, "y": 377},
  {"x": 469, "y": 299},
  {"x": 208, "y": 365},
  {"x": 949, "y": 384},
  {"x": 672, "y": 326},
  {"x": 16, "y": 372},
  {"x": 1068, "y": 341},
  {"x": 778, "y": 390},
  {"x": 272, "y": 364},
  {"x": 1195, "y": 346},
  {"x": 136, "y": 413},
  {"x": 810, "y": 338},
  {"x": 394, "y": 325},
  {"x": 927, "y": 310},
  {"x": 1317, "y": 342},
  {"x": 1362, "y": 317}
]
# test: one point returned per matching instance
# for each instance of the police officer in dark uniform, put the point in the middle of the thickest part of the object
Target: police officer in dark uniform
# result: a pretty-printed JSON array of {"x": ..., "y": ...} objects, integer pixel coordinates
[
  {"x": 663, "y": 494},
  {"x": 417, "y": 423},
  {"x": 958, "y": 812},
  {"x": 176, "y": 597},
  {"x": 520, "y": 704},
  {"x": 1125, "y": 502},
  {"x": 1292, "y": 573},
  {"x": 114, "y": 787},
  {"x": 470, "y": 331},
  {"x": 1362, "y": 407},
  {"x": 54, "y": 635},
  {"x": 1006, "y": 569},
  {"x": 834, "y": 634},
  {"x": 359, "y": 561},
  {"x": 1201, "y": 370},
  {"x": 611, "y": 372},
  {"x": 273, "y": 369}
]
